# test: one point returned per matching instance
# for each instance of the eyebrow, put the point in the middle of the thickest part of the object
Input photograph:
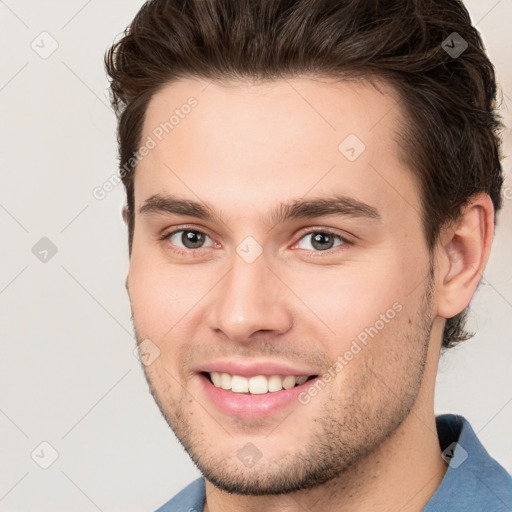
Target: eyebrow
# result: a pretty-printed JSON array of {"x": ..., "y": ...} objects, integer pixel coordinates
[{"x": 334, "y": 204}]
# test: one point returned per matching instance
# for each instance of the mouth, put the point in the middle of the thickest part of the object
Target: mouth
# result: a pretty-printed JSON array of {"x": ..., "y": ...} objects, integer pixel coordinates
[{"x": 257, "y": 384}]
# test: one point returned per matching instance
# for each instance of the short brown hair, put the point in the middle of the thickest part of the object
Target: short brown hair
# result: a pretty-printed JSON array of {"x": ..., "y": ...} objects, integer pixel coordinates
[{"x": 451, "y": 141}]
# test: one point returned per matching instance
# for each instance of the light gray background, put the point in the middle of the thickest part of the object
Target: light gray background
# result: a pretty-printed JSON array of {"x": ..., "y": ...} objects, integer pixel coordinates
[{"x": 68, "y": 375}]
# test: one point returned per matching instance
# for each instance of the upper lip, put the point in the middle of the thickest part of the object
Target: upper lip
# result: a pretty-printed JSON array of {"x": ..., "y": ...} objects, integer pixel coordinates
[{"x": 253, "y": 368}]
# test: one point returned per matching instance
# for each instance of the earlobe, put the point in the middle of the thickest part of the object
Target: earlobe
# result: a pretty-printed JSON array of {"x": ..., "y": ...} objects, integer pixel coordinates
[{"x": 462, "y": 255}]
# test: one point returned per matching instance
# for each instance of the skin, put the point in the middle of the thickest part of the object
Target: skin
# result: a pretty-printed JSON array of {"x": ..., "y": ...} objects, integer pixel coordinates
[{"x": 368, "y": 440}]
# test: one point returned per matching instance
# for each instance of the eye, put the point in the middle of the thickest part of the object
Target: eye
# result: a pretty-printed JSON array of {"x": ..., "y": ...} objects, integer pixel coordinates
[
  {"x": 321, "y": 240},
  {"x": 186, "y": 239}
]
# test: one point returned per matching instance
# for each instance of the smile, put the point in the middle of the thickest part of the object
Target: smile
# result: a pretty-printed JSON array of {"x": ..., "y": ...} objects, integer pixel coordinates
[
  {"x": 251, "y": 397},
  {"x": 257, "y": 385}
]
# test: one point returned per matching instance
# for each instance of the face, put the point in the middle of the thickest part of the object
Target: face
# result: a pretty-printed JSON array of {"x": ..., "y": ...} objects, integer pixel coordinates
[{"x": 279, "y": 277}]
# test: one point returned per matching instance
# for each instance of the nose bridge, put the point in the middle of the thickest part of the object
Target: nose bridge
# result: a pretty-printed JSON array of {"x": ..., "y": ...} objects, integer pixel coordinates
[{"x": 249, "y": 299}]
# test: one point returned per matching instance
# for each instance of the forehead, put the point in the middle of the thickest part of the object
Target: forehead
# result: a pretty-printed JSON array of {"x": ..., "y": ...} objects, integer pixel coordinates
[
  {"x": 251, "y": 143},
  {"x": 316, "y": 109}
]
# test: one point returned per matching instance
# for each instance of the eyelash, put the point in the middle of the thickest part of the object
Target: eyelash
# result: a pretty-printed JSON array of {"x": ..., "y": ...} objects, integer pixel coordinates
[{"x": 188, "y": 252}]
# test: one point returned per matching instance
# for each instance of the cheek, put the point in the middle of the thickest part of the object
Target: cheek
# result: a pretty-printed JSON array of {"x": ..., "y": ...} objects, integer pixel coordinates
[
  {"x": 380, "y": 365},
  {"x": 351, "y": 298},
  {"x": 160, "y": 294},
  {"x": 167, "y": 302}
]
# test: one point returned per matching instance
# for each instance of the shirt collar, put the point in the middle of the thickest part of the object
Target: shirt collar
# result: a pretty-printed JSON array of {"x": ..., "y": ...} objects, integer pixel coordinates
[{"x": 473, "y": 480}]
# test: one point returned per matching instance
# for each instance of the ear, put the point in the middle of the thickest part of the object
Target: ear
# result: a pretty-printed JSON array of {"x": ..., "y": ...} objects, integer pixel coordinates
[
  {"x": 462, "y": 254},
  {"x": 124, "y": 213}
]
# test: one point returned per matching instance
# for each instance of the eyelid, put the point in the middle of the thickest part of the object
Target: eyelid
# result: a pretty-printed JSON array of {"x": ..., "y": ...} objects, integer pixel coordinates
[
  {"x": 327, "y": 231},
  {"x": 176, "y": 229},
  {"x": 307, "y": 231}
]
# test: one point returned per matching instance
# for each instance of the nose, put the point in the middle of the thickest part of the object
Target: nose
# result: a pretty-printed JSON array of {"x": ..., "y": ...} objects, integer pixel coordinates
[{"x": 249, "y": 299}]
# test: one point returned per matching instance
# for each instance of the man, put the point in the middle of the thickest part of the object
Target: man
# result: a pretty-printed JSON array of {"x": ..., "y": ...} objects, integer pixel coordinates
[{"x": 311, "y": 198}]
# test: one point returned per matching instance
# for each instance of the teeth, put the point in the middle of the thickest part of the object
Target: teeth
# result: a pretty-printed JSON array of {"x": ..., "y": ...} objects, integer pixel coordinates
[
  {"x": 216, "y": 378},
  {"x": 301, "y": 379},
  {"x": 239, "y": 384},
  {"x": 275, "y": 383},
  {"x": 225, "y": 381},
  {"x": 258, "y": 385},
  {"x": 289, "y": 382}
]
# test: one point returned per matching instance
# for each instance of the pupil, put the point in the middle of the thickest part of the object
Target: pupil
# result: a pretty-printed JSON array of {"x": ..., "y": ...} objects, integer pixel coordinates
[
  {"x": 192, "y": 239},
  {"x": 317, "y": 239}
]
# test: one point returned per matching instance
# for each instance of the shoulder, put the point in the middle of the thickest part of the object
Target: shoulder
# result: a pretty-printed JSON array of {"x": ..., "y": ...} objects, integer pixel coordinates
[{"x": 189, "y": 499}]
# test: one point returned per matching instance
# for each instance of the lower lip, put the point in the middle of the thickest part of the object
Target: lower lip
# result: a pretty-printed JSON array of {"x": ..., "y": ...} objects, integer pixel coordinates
[{"x": 246, "y": 405}]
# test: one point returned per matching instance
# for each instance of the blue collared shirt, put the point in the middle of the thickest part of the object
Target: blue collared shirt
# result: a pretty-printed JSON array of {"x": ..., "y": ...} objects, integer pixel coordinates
[{"x": 473, "y": 482}]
